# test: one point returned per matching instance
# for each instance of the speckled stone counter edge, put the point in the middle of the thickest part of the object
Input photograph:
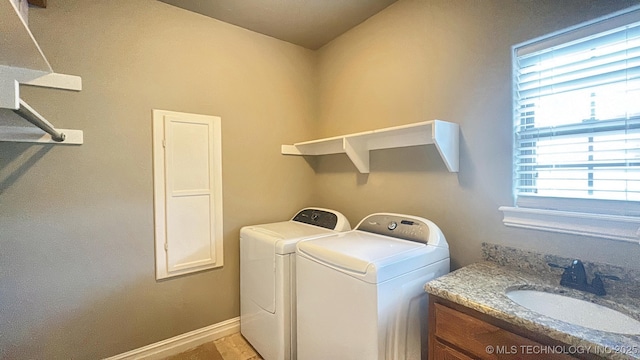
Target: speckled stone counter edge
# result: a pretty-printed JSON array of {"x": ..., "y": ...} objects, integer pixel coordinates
[
  {"x": 627, "y": 286},
  {"x": 483, "y": 287}
]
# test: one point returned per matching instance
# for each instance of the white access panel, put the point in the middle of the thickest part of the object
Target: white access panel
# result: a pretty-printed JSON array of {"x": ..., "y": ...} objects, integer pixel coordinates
[{"x": 188, "y": 193}]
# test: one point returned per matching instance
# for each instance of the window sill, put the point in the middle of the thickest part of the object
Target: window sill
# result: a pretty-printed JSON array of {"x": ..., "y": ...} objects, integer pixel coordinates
[{"x": 614, "y": 227}]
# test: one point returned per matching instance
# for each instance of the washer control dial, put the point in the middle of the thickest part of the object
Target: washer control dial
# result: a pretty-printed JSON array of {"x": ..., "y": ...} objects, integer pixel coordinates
[{"x": 392, "y": 225}]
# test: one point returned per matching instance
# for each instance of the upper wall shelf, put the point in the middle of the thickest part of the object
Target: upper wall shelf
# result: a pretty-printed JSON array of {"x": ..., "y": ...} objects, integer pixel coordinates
[
  {"x": 19, "y": 47},
  {"x": 444, "y": 135},
  {"x": 23, "y": 63}
]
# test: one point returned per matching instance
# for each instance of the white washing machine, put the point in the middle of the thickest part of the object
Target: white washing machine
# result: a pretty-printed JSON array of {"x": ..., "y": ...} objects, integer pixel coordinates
[
  {"x": 267, "y": 278},
  {"x": 360, "y": 293}
]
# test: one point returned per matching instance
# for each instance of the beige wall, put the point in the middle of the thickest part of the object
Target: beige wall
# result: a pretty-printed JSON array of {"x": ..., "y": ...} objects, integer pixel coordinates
[
  {"x": 76, "y": 223},
  {"x": 440, "y": 59}
]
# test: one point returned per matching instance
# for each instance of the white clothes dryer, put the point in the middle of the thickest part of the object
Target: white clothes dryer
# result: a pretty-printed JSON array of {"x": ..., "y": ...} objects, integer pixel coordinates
[
  {"x": 267, "y": 278},
  {"x": 361, "y": 293}
]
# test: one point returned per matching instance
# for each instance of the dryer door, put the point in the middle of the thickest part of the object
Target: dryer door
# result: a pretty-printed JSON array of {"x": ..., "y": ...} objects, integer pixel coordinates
[{"x": 257, "y": 266}]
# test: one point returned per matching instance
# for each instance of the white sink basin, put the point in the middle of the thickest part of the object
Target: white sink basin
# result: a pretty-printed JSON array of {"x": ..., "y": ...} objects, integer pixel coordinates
[{"x": 575, "y": 311}]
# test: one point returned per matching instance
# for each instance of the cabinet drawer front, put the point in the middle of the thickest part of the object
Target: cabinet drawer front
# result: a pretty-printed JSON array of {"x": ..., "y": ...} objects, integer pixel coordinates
[
  {"x": 443, "y": 352},
  {"x": 484, "y": 340}
]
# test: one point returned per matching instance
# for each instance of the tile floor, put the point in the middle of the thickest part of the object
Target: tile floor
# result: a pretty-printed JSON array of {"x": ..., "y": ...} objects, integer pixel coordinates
[{"x": 232, "y": 347}]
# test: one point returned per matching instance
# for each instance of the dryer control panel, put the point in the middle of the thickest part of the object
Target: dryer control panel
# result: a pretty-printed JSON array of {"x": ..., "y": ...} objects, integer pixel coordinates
[
  {"x": 317, "y": 217},
  {"x": 396, "y": 225}
]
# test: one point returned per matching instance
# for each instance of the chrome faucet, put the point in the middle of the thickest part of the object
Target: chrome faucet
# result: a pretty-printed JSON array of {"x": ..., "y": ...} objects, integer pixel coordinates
[{"x": 575, "y": 277}]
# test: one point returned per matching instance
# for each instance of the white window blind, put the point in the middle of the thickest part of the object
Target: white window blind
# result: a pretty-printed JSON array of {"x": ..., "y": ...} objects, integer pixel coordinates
[{"x": 577, "y": 116}]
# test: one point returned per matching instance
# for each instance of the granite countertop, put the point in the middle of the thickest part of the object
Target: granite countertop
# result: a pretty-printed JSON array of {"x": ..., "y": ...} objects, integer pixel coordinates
[{"x": 483, "y": 286}]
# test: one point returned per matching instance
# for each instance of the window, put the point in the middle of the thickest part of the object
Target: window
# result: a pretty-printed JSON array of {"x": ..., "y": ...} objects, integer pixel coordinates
[{"x": 577, "y": 129}]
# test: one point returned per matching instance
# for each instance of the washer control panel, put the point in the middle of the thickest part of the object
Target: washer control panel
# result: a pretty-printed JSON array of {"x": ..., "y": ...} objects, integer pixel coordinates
[{"x": 399, "y": 226}]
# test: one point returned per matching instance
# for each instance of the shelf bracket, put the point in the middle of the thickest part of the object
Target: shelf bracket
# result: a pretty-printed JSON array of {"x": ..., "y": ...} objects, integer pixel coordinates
[
  {"x": 358, "y": 152},
  {"x": 445, "y": 137},
  {"x": 22, "y": 62},
  {"x": 40, "y": 78},
  {"x": 35, "y": 135},
  {"x": 26, "y": 112},
  {"x": 10, "y": 80},
  {"x": 290, "y": 150}
]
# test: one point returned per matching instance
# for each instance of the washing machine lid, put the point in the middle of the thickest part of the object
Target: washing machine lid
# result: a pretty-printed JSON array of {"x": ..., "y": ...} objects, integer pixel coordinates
[{"x": 371, "y": 257}]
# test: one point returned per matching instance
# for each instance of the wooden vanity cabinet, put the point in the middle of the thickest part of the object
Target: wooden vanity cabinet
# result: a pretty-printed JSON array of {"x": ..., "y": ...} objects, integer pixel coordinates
[{"x": 460, "y": 333}]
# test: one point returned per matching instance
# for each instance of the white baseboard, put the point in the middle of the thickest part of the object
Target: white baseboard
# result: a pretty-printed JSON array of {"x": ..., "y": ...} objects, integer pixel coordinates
[{"x": 180, "y": 343}]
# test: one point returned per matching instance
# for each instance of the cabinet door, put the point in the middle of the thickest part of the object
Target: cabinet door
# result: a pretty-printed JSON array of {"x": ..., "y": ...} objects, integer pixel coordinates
[
  {"x": 443, "y": 352},
  {"x": 484, "y": 340},
  {"x": 188, "y": 193}
]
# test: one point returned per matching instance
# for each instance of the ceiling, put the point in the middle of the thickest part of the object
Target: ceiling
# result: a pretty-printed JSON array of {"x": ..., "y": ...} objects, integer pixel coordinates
[{"x": 308, "y": 23}]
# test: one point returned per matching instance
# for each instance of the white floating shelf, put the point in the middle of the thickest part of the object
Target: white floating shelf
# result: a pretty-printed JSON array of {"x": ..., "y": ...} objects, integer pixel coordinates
[
  {"x": 17, "y": 44},
  {"x": 444, "y": 135},
  {"x": 22, "y": 62}
]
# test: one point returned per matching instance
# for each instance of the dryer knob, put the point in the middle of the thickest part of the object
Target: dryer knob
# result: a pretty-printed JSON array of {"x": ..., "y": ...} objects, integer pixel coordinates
[{"x": 392, "y": 225}]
